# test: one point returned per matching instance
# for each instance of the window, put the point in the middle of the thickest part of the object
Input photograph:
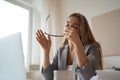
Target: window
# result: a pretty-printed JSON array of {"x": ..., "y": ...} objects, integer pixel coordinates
[{"x": 14, "y": 18}]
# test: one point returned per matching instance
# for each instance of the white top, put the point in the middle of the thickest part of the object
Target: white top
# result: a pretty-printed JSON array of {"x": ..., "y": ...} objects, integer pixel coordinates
[{"x": 69, "y": 67}]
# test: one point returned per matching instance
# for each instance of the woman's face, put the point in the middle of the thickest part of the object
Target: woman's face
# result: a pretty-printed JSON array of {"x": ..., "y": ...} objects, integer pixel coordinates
[{"x": 73, "y": 22}]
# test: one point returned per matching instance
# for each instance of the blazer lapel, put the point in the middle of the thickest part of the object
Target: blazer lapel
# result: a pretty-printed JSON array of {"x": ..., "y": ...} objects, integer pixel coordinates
[
  {"x": 64, "y": 57},
  {"x": 74, "y": 65}
]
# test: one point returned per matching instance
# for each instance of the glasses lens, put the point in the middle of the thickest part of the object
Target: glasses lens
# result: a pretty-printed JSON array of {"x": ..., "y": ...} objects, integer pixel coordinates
[{"x": 53, "y": 35}]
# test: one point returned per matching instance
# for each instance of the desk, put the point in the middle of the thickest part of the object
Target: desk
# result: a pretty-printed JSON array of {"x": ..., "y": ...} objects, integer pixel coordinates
[
  {"x": 33, "y": 75},
  {"x": 107, "y": 75}
]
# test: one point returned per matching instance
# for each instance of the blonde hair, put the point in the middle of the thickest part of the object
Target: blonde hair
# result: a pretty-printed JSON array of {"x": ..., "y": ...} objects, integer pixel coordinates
[{"x": 86, "y": 34}]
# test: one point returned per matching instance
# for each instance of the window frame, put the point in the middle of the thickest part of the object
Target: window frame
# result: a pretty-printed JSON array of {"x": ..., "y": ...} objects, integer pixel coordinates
[{"x": 29, "y": 48}]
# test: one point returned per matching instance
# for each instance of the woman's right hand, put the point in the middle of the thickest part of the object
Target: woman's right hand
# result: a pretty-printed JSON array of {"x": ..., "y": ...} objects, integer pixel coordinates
[{"x": 43, "y": 41}]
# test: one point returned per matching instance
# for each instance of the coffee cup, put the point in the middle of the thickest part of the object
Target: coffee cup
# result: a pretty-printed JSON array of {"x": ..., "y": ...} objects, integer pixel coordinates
[{"x": 64, "y": 75}]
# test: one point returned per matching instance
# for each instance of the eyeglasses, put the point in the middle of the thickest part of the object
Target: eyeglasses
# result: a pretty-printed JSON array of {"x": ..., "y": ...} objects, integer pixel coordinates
[{"x": 53, "y": 35}]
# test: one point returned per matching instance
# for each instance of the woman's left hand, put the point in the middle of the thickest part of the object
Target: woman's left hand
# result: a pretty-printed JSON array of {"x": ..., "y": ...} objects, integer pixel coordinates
[{"x": 71, "y": 34}]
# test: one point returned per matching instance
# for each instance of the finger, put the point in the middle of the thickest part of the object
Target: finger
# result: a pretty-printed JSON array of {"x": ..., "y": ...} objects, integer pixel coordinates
[
  {"x": 68, "y": 28},
  {"x": 49, "y": 39},
  {"x": 38, "y": 39},
  {"x": 66, "y": 34},
  {"x": 42, "y": 33},
  {"x": 66, "y": 31},
  {"x": 38, "y": 33}
]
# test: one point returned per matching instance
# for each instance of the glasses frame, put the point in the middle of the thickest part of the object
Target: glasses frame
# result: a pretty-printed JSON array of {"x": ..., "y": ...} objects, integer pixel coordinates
[{"x": 53, "y": 35}]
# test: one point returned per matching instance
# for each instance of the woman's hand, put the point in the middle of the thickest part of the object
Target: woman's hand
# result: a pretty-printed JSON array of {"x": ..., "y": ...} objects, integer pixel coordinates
[
  {"x": 45, "y": 44},
  {"x": 71, "y": 34},
  {"x": 43, "y": 41}
]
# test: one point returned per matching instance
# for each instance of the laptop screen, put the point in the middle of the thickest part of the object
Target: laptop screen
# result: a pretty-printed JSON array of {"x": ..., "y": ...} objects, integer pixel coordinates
[{"x": 11, "y": 58}]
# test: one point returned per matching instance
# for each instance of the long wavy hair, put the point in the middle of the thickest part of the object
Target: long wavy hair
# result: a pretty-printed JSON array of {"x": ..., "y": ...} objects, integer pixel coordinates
[{"x": 85, "y": 35}]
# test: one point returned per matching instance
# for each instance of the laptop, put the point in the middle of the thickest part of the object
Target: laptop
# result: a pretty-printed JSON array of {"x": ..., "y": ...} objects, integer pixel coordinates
[
  {"x": 11, "y": 58},
  {"x": 108, "y": 75}
]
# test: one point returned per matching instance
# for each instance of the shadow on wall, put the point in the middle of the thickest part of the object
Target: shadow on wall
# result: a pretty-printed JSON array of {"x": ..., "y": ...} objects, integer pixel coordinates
[{"x": 106, "y": 29}]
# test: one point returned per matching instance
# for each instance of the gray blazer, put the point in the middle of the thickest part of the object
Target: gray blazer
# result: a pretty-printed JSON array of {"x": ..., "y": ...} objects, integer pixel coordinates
[{"x": 93, "y": 52}]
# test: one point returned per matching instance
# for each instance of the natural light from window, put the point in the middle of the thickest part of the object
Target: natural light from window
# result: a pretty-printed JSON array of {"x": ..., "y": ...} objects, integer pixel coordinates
[{"x": 14, "y": 19}]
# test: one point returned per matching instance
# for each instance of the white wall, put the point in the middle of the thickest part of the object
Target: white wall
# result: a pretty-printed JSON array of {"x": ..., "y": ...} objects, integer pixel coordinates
[
  {"x": 106, "y": 30},
  {"x": 86, "y": 7}
]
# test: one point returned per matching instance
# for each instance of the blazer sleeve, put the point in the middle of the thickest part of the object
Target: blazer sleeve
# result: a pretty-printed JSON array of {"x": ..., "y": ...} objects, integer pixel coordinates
[
  {"x": 48, "y": 73},
  {"x": 93, "y": 63}
]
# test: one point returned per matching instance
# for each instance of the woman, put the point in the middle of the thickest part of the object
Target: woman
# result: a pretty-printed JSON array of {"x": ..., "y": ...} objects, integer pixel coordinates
[{"x": 79, "y": 50}]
